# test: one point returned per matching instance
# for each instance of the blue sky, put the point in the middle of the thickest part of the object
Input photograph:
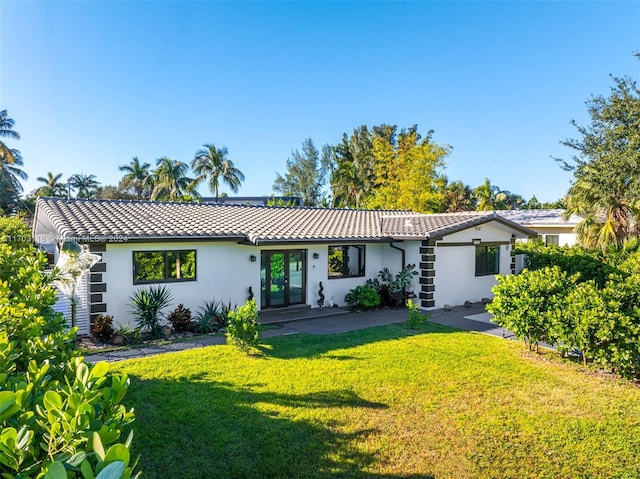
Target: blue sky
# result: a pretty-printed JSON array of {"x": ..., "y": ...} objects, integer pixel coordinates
[{"x": 93, "y": 84}]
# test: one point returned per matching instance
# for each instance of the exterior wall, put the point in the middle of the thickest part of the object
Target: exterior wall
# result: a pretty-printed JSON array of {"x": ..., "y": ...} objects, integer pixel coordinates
[
  {"x": 225, "y": 272},
  {"x": 566, "y": 235},
  {"x": 453, "y": 277}
]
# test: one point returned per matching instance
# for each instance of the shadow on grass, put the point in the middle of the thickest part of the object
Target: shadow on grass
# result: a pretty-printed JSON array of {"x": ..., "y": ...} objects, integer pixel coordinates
[
  {"x": 191, "y": 429},
  {"x": 311, "y": 345}
]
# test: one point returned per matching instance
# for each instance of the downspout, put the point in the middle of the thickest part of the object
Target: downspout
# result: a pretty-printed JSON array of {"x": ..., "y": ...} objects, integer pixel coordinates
[{"x": 403, "y": 254}]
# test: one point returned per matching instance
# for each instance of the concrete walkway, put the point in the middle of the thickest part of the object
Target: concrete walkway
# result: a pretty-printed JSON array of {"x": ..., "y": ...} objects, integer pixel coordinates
[{"x": 458, "y": 317}]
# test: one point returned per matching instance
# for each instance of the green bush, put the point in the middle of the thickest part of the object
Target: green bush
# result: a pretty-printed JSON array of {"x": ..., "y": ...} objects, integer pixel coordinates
[
  {"x": 102, "y": 328},
  {"x": 243, "y": 329},
  {"x": 591, "y": 265},
  {"x": 363, "y": 297},
  {"x": 528, "y": 304},
  {"x": 212, "y": 317},
  {"x": 416, "y": 317},
  {"x": 147, "y": 304},
  {"x": 57, "y": 413},
  {"x": 180, "y": 318}
]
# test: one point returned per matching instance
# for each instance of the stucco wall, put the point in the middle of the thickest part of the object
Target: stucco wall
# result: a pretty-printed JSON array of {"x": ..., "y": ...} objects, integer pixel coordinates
[
  {"x": 225, "y": 272},
  {"x": 455, "y": 279}
]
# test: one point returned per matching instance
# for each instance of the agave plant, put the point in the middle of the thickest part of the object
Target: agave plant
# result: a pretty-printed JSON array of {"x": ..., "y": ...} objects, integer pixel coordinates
[
  {"x": 147, "y": 304},
  {"x": 211, "y": 317}
]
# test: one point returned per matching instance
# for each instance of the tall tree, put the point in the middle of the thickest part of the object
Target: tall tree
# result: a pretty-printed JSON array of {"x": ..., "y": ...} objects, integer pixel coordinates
[
  {"x": 407, "y": 174},
  {"x": 353, "y": 169},
  {"x": 606, "y": 166},
  {"x": 458, "y": 197},
  {"x": 136, "y": 176},
  {"x": 85, "y": 185},
  {"x": 10, "y": 166},
  {"x": 170, "y": 181},
  {"x": 490, "y": 197},
  {"x": 212, "y": 165},
  {"x": 306, "y": 174},
  {"x": 52, "y": 185}
]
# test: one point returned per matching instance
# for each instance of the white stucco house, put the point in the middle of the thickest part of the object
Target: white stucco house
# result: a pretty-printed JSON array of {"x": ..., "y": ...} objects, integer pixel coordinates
[
  {"x": 277, "y": 255},
  {"x": 551, "y": 225}
]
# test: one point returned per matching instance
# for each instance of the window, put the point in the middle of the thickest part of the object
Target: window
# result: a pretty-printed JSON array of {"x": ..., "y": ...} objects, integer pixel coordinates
[
  {"x": 487, "y": 260},
  {"x": 164, "y": 266},
  {"x": 346, "y": 261},
  {"x": 552, "y": 240}
]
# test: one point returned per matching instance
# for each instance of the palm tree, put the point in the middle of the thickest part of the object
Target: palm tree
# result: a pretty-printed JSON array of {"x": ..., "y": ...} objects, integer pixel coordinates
[
  {"x": 211, "y": 164},
  {"x": 137, "y": 176},
  {"x": 609, "y": 217},
  {"x": 52, "y": 186},
  {"x": 10, "y": 163},
  {"x": 85, "y": 185},
  {"x": 489, "y": 197},
  {"x": 170, "y": 181}
]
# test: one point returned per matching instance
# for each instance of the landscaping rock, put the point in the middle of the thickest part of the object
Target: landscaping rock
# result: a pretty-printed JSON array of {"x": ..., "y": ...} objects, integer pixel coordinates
[
  {"x": 486, "y": 300},
  {"x": 467, "y": 304},
  {"x": 447, "y": 307}
]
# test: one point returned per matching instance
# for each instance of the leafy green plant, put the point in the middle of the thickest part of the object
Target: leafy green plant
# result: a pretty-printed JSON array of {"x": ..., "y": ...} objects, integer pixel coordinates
[
  {"x": 102, "y": 328},
  {"x": 57, "y": 413},
  {"x": 132, "y": 335},
  {"x": 528, "y": 304},
  {"x": 363, "y": 297},
  {"x": 211, "y": 318},
  {"x": 147, "y": 304},
  {"x": 403, "y": 279},
  {"x": 243, "y": 329},
  {"x": 416, "y": 317},
  {"x": 180, "y": 318}
]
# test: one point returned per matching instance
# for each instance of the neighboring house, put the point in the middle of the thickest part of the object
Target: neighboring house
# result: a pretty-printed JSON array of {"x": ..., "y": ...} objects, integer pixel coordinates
[
  {"x": 550, "y": 225},
  {"x": 279, "y": 255}
]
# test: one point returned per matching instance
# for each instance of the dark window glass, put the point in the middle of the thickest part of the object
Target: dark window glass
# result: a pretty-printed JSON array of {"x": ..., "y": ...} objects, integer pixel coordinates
[
  {"x": 346, "y": 261},
  {"x": 164, "y": 266},
  {"x": 487, "y": 260},
  {"x": 552, "y": 240}
]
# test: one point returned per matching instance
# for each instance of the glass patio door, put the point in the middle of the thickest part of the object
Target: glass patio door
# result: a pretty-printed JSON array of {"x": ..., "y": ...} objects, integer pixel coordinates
[{"x": 282, "y": 278}]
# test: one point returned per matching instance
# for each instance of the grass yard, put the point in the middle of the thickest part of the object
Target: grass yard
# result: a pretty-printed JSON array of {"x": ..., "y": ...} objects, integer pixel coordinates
[{"x": 380, "y": 403}]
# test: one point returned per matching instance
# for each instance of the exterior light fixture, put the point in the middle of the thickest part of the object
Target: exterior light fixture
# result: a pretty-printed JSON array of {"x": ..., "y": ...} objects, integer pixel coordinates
[
  {"x": 316, "y": 256},
  {"x": 253, "y": 258},
  {"x": 476, "y": 241}
]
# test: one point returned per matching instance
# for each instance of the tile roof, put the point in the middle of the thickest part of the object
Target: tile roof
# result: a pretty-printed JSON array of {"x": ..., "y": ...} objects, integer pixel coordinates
[
  {"x": 437, "y": 225},
  {"x": 113, "y": 220}
]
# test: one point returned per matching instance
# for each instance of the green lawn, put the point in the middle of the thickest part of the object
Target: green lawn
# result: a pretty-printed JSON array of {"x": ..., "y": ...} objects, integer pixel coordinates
[{"x": 381, "y": 403}]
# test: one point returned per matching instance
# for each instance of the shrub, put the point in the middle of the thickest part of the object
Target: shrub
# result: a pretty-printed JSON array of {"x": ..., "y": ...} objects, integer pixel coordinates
[
  {"x": 416, "y": 317},
  {"x": 102, "y": 328},
  {"x": 528, "y": 304},
  {"x": 212, "y": 317},
  {"x": 387, "y": 284},
  {"x": 57, "y": 413},
  {"x": 591, "y": 265},
  {"x": 147, "y": 304},
  {"x": 180, "y": 318},
  {"x": 132, "y": 335},
  {"x": 363, "y": 297},
  {"x": 243, "y": 329}
]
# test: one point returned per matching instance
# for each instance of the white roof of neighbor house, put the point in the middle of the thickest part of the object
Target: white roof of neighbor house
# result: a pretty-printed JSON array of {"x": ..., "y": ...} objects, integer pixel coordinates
[
  {"x": 117, "y": 220},
  {"x": 541, "y": 218}
]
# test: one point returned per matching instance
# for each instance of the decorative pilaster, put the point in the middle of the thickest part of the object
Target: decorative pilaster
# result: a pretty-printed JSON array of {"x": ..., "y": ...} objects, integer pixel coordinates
[
  {"x": 427, "y": 274},
  {"x": 97, "y": 285},
  {"x": 513, "y": 254}
]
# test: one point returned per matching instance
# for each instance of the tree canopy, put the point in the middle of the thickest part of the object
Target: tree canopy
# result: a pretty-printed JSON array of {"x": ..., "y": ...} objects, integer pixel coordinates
[
  {"x": 306, "y": 174},
  {"x": 212, "y": 165},
  {"x": 606, "y": 167}
]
